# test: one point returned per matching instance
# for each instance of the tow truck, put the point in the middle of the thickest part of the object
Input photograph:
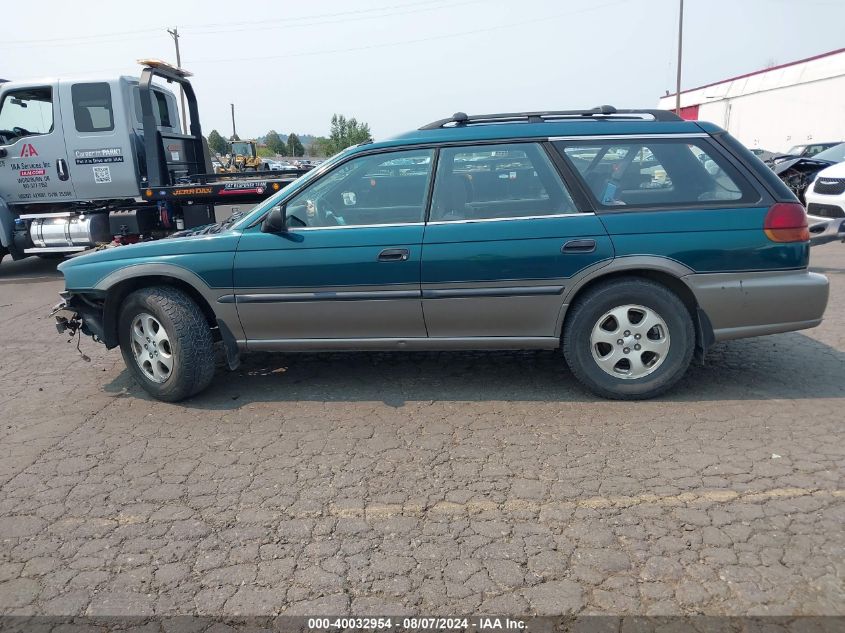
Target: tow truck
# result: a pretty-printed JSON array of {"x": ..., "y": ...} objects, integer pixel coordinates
[{"x": 90, "y": 163}]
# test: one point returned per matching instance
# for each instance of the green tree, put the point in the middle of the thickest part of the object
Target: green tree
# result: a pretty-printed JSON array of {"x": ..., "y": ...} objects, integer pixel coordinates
[
  {"x": 275, "y": 143},
  {"x": 217, "y": 143},
  {"x": 315, "y": 148},
  {"x": 295, "y": 145},
  {"x": 346, "y": 132},
  {"x": 324, "y": 146}
]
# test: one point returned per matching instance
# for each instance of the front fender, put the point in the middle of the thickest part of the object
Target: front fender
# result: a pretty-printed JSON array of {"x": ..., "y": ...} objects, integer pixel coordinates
[{"x": 135, "y": 275}]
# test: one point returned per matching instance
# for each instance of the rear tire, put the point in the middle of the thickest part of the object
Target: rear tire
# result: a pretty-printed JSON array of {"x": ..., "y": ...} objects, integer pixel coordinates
[
  {"x": 615, "y": 355},
  {"x": 166, "y": 343}
]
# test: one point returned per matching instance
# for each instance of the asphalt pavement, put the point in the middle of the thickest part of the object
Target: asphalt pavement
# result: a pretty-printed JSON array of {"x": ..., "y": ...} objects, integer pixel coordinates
[{"x": 449, "y": 483}]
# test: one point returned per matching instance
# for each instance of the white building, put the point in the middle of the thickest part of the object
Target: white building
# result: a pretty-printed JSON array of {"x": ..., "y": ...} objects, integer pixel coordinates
[{"x": 775, "y": 108}]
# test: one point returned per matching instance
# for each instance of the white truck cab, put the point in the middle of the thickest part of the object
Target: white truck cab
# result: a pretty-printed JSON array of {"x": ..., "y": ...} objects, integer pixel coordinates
[
  {"x": 75, "y": 139},
  {"x": 77, "y": 155},
  {"x": 86, "y": 163}
]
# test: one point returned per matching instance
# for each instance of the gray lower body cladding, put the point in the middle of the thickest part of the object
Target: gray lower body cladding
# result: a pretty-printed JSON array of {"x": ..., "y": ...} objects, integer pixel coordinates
[{"x": 741, "y": 305}]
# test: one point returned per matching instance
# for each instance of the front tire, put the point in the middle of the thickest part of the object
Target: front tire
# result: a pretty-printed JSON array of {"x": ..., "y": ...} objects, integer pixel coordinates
[
  {"x": 166, "y": 343},
  {"x": 629, "y": 339}
]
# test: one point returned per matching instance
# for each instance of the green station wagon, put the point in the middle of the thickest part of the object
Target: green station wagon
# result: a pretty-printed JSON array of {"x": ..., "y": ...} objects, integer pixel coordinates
[{"x": 630, "y": 239}]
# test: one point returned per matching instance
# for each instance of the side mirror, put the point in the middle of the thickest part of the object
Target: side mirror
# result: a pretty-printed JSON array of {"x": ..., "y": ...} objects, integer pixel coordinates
[{"x": 274, "y": 221}]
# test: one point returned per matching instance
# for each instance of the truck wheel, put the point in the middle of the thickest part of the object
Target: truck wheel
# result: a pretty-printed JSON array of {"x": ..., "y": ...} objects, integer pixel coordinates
[
  {"x": 166, "y": 343},
  {"x": 630, "y": 339}
]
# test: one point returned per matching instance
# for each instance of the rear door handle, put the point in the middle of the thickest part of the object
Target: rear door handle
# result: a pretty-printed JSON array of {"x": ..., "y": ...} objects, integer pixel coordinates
[
  {"x": 394, "y": 255},
  {"x": 579, "y": 246}
]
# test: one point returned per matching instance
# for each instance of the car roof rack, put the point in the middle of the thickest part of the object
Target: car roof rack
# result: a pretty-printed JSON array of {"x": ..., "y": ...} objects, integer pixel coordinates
[{"x": 600, "y": 113}]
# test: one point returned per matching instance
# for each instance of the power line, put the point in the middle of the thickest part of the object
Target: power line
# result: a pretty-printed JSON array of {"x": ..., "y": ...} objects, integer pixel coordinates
[
  {"x": 409, "y": 41},
  {"x": 84, "y": 38},
  {"x": 445, "y": 4},
  {"x": 315, "y": 16},
  {"x": 381, "y": 45},
  {"x": 121, "y": 35},
  {"x": 102, "y": 39}
]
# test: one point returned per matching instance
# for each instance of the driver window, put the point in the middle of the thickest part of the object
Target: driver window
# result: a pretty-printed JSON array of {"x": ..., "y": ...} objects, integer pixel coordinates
[
  {"x": 26, "y": 112},
  {"x": 386, "y": 188}
]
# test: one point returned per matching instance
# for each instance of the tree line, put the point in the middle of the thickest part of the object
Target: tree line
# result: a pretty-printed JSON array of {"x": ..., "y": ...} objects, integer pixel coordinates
[{"x": 343, "y": 133}]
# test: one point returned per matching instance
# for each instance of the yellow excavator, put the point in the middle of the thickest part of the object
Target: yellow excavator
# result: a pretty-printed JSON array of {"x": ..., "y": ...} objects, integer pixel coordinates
[{"x": 242, "y": 156}]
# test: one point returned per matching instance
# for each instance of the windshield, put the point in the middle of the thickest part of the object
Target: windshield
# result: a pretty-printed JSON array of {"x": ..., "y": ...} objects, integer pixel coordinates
[
  {"x": 258, "y": 210},
  {"x": 244, "y": 149},
  {"x": 835, "y": 154}
]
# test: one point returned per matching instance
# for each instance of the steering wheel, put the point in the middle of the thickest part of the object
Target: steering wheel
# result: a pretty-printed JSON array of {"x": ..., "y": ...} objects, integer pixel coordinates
[
  {"x": 19, "y": 131},
  {"x": 320, "y": 214}
]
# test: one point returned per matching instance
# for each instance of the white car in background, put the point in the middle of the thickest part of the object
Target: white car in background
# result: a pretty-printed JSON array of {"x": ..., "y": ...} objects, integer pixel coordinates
[{"x": 825, "y": 199}]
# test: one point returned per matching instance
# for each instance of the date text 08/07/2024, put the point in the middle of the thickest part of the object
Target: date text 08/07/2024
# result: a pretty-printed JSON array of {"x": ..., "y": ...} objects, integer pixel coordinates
[{"x": 418, "y": 623}]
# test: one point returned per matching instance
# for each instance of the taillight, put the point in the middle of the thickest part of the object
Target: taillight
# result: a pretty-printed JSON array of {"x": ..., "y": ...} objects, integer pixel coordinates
[{"x": 786, "y": 222}]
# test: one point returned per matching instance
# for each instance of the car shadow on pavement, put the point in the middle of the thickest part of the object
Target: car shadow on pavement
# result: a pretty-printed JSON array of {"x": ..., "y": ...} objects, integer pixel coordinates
[
  {"x": 28, "y": 270},
  {"x": 784, "y": 366}
]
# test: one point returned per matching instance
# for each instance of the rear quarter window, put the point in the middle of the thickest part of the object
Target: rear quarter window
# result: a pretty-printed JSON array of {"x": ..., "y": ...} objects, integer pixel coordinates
[{"x": 645, "y": 173}]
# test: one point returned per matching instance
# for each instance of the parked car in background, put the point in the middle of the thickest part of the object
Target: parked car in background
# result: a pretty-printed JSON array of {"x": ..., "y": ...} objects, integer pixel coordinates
[
  {"x": 825, "y": 199},
  {"x": 631, "y": 244},
  {"x": 798, "y": 173},
  {"x": 762, "y": 154},
  {"x": 807, "y": 150},
  {"x": 304, "y": 164},
  {"x": 279, "y": 165}
]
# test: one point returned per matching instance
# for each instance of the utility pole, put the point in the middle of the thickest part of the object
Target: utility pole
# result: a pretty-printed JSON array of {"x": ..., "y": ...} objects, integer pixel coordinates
[
  {"x": 175, "y": 35},
  {"x": 680, "y": 50},
  {"x": 234, "y": 133}
]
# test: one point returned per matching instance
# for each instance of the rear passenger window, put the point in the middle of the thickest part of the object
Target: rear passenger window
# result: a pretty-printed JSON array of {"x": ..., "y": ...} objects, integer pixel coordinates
[
  {"x": 653, "y": 173},
  {"x": 92, "y": 107},
  {"x": 497, "y": 181}
]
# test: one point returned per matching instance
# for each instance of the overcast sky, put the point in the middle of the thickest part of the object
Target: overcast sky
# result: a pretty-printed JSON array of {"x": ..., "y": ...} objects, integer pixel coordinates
[{"x": 398, "y": 64}]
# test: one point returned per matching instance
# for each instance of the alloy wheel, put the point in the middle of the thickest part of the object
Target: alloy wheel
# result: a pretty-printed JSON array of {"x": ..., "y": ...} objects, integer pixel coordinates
[
  {"x": 630, "y": 341},
  {"x": 151, "y": 347}
]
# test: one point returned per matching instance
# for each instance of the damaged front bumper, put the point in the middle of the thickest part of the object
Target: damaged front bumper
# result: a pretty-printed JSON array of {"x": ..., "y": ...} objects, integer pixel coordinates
[{"x": 76, "y": 314}]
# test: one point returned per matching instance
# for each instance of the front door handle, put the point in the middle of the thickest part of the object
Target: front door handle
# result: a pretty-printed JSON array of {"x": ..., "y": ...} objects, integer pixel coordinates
[
  {"x": 61, "y": 169},
  {"x": 394, "y": 255},
  {"x": 579, "y": 246}
]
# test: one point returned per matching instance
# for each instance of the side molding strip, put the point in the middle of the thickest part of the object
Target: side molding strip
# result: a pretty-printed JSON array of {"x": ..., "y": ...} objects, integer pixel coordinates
[
  {"x": 380, "y": 344},
  {"x": 372, "y": 295},
  {"x": 352, "y": 295},
  {"x": 507, "y": 291}
]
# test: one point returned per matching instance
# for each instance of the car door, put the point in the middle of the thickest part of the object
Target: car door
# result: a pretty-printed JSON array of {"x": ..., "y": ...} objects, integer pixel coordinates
[
  {"x": 347, "y": 267},
  {"x": 503, "y": 240},
  {"x": 33, "y": 156}
]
